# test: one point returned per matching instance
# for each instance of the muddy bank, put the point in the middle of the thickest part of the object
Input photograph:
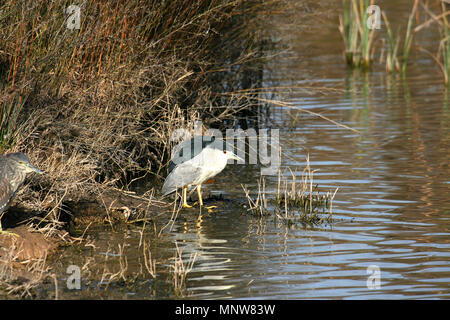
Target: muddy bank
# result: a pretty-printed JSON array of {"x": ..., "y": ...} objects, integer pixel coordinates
[
  {"x": 31, "y": 239},
  {"x": 23, "y": 258},
  {"x": 23, "y": 244},
  {"x": 112, "y": 206}
]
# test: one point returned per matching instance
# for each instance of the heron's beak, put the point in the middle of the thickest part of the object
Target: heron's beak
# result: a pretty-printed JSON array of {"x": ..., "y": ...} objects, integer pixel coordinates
[
  {"x": 235, "y": 157},
  {"x": 35, "y": 169}
]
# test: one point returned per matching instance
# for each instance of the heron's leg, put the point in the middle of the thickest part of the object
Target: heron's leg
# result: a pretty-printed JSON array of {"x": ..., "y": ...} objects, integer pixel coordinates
[
  {"x": 185, "y": 205},
  {"x": 199, "y": 192},
  {"x": 7, "y": 232}
]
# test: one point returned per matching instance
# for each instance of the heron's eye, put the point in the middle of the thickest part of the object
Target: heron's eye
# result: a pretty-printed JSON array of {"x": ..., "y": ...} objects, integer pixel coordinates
[{"x": 225, "y": 151}]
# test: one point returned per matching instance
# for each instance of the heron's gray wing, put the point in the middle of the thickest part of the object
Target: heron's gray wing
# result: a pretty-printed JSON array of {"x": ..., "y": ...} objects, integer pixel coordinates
[
  {"x": 7, "y": 191},
  {"x": 189, "y": 149},
  {"x": 183, "y": 174},
  {"x": 6, "y": 196}
]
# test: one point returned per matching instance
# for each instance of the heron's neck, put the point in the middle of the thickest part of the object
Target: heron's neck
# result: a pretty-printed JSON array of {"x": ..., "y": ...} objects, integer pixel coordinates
[{"x": 14, "y": 177}]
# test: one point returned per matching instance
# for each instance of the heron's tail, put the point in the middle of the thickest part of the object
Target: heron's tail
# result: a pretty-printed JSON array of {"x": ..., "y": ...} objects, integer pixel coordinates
[{"x": 168, "y": 187}]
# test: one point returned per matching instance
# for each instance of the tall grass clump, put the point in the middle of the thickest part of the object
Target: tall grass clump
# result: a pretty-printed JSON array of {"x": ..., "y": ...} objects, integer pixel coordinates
[
  {"x": 357, "y": 35},
  {"x": 295, "y": 201},
  {"x": 393, "y": 63},
  {"x": 104, "y": 99},
  {"x": 443, "y": 57}
]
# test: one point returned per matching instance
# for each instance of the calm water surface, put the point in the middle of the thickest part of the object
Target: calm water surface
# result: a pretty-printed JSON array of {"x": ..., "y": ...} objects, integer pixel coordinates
[{"x": 392, "y": 209}]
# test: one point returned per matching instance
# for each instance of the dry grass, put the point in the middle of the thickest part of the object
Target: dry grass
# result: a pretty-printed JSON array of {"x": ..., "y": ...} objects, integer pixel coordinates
[
  {"x": 94, "y": 108},
  {"x": 442, "y": 57}
]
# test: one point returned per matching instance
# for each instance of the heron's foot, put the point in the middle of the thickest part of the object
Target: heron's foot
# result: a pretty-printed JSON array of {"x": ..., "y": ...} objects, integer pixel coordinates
[
  {"x": 185, "y": 205},
  {"x": 7, "y": 233}
]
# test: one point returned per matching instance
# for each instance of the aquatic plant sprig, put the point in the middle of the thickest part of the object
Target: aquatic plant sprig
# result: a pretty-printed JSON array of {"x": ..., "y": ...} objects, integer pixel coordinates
[
  {"x": 392, "y": 60},
  {"x": 408, "y": 37},
  {"x": 294, "y": 201}
]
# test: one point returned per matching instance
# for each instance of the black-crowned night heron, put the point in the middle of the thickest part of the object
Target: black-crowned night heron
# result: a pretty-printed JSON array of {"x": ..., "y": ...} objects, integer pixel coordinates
[
  {"x": 194, "y": 161},
  {"x": 13, "y": 170}
]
